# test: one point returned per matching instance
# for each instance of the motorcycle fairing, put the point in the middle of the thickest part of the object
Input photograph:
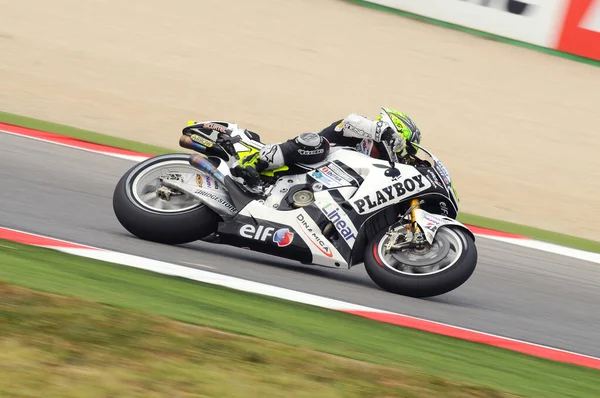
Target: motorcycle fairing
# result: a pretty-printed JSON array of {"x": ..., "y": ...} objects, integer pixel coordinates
[
  {"x": 302, "y": 222},
  {"x": 264, "y": 236},
  {"x": 431, "y": 223}
]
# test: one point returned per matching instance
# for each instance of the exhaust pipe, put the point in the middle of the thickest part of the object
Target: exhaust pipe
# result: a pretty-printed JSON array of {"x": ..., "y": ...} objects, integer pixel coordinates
[
  {"x": 186, "y": 142},
  {"x": 202, "y": 163},
  {"x": 189, "y": 142}
]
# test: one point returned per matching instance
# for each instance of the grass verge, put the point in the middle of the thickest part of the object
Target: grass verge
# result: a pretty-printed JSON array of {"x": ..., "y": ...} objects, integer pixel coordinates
[
  {"x": 85, "y": 135},
  {"x": 75, "y": 348},
  {"x": 479, "y": 33},
  {"x": 535, "y": 233},
  {"x": 424, "y": 358}
]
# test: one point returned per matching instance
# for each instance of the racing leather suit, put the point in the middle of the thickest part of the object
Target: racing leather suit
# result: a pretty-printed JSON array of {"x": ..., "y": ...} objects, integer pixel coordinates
[{"x": 355, "y": 131}]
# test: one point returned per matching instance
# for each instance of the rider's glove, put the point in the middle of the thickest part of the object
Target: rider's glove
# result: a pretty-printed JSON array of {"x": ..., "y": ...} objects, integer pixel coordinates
[{"x": 395, "y": 140}]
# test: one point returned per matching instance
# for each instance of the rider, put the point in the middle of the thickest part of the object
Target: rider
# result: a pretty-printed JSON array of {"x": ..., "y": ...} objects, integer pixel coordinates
[{"x": 365, "y": 134}]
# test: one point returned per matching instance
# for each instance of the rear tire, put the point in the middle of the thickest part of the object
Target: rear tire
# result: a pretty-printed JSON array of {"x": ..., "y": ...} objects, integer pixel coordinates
[
  {"x": 422, "y": 285},
  {"x": 174, "y": 227}
]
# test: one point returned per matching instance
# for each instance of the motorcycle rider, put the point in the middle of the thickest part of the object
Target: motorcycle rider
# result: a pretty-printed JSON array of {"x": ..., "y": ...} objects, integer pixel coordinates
[{"x": 363, "y": 133}]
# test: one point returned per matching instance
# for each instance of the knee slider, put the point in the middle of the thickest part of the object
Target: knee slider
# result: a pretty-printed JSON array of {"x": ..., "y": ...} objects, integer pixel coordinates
[
  {"x": 306, "y": 148},
  {"x": 311, "y": 147},
  {"x": 311, "y": 144}
]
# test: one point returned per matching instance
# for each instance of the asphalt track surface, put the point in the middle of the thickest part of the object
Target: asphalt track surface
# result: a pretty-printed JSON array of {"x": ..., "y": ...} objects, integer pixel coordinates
[{"x": 515, "y": 292}]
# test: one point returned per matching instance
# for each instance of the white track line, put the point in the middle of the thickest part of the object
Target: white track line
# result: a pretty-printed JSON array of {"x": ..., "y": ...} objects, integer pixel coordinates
[{"x": 175, "y": 270}]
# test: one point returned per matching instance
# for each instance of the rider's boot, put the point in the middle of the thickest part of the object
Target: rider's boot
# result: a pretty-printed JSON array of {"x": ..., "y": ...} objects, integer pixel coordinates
[
  {"x": 249, "y": 168},
  {"x": 306, "y": 148}
]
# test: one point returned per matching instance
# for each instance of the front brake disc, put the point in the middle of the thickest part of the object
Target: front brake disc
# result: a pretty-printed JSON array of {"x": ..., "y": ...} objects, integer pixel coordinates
[{"x": 437, "y": 252}]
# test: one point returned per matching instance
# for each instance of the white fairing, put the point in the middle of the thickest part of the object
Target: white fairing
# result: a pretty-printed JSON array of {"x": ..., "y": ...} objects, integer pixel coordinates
[
  {"x": 338, "y": 217},
  {"x": 324, "y": 253},
  {"x": 439, "y": 166},
  {"x": 431, "y": 223},
  {"x": 378, "y": 190}
]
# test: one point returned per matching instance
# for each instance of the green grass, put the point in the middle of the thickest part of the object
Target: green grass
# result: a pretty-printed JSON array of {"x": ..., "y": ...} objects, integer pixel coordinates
[
  {"x": 294, "y": 324},
  {"x": 479, "y": 33},
  {"x": 84, "y": 135},
  {"x": 535, "y": 233},
  {"x": 71, "y": 347},
  {"x": 552, "y": 237}
]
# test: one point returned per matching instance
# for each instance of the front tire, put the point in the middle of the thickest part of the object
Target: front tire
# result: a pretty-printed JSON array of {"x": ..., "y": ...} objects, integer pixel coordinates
[
  {"x": 399, "y": 278},
  {"x": 149, "y": 219}
]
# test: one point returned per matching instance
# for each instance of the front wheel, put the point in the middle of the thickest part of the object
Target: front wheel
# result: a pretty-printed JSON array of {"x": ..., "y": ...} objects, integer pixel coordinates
[
  {"x": 152, "y": 212},
  {"x": 434, "y": 270}
]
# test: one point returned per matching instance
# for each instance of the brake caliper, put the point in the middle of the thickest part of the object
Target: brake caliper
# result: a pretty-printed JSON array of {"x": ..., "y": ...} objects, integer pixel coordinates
[
  {"x": 164, "y": 193},
  {"x": 393, "y": 238}
]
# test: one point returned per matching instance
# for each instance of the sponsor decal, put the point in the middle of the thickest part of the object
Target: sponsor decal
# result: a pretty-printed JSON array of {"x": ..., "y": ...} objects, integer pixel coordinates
[
  {"x": 283, "y": 237},
  {"x": 206, "y": 182},
  {"x": 217, "y": 199},
  {"x": 432, "y": 223},
  {"x": 201, "y": 140},
  {"x": 580, "y": 32},
  {"x": 444, "y": 208},
  {"x": 332, "y": 176},
  {"x": 340, "y": 220},
  {"x": 532, "y": 21},
  {"x": 356, "y": 130},
  {"x": 392, "y": 172},
  {"x": 314, "y": 235},
  {"x": 211, "y": 182},
  {"x": 338, "y": 173},
  {"x": 269, "y": 152},
  {"x": 443, "y": 172},
  {"x": 378, "y": 130},
  {"x": 325, "y": 181},
  {"x": 433, "y": 178},
  {"x": 365, "y": 146},
  {"x": 313, "y": 152},
  {"x": 517, "y": 7},
  {"x": 215, "y": 127},
  {"x": 389, "y": 193}
]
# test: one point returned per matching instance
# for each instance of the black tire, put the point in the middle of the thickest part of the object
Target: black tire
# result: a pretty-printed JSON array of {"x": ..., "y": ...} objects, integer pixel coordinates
[
  {"x": 170, "y": 228},
  {"x": 422, "y": 285}
]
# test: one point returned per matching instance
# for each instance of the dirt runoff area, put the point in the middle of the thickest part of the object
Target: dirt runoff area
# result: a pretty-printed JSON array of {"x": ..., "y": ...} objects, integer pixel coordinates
[{"x": 517, "y": 129}]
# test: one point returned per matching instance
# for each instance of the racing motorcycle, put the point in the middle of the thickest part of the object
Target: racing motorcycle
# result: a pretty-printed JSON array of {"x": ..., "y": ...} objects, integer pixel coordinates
[{"x": 396, "y": 216}]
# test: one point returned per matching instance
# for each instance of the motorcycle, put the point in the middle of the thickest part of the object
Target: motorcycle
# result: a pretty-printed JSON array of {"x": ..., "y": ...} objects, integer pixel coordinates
[{"x": 396, "y": 216}]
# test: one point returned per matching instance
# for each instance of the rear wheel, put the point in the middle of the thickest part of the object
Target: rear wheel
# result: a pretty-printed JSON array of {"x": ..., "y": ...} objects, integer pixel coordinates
[
  {"x": 436, "y": 269},
  {"x": 159, "y": 214}
]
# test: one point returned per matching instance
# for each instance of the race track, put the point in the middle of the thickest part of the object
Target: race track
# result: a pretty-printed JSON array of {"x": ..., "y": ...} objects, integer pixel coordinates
[{"x": 515, "y": 292}]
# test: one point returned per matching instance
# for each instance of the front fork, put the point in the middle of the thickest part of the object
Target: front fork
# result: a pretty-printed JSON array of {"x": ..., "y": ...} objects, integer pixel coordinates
[
  {"x": 413, "y": 234},
  {"x": 414, "y": 205}
]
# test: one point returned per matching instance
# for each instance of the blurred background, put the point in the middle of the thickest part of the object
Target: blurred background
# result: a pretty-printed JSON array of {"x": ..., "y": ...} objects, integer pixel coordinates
[
  {"x": 505, "y": 92},
  {"x": 508, "y": 121}
]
